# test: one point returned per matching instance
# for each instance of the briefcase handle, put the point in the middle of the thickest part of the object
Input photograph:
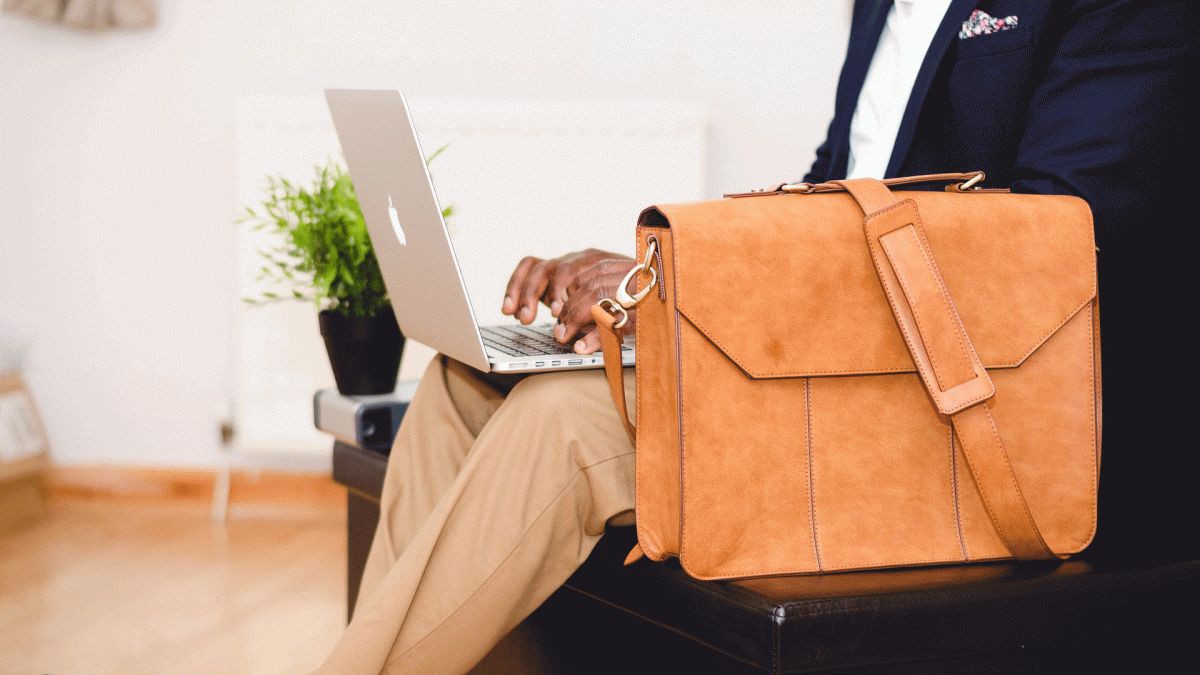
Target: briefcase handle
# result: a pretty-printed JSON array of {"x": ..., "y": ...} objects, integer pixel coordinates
[{"x": 959, "y": 182}]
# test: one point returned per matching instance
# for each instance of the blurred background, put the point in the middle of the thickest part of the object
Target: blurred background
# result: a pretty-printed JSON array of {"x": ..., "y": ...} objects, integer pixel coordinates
[
  {"x": 127, "y": 153},
  {"x": 119, "y": 180}
]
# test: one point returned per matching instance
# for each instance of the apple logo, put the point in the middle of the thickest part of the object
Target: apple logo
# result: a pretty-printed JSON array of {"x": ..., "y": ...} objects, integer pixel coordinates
[{"x": 396, "y": 222}]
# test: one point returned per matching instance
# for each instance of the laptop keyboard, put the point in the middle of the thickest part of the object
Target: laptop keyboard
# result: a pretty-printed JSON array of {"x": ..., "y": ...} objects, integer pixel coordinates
[{"x": 519, "y": 340}]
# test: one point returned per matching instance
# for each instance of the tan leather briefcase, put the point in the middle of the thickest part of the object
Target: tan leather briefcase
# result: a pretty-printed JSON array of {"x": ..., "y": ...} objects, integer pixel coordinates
[{"x": 841, "y": 377}]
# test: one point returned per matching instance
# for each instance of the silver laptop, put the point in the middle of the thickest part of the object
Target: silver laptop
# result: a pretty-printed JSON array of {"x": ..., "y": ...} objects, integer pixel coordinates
[{"x": 414, "y": 249}]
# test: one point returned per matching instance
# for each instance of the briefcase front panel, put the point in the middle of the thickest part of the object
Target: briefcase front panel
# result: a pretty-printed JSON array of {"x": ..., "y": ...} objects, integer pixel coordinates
[{"x": 783, "y": 427}]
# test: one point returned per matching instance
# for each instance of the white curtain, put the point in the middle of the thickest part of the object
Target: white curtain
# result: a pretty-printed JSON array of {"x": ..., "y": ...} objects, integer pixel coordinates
[{"x": 87, "y": 14}]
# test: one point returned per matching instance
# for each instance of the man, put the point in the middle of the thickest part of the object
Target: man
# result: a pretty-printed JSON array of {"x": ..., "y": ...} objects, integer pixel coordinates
[{"x": 497, "y": 490}]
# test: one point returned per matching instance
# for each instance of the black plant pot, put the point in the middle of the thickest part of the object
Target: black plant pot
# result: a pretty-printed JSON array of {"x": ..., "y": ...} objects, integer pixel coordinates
[{"x": 364, "y": 353}]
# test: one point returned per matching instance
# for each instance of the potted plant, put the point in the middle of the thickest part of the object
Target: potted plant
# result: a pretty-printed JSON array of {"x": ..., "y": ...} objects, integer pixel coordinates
[{"x": 326, "y": 257}]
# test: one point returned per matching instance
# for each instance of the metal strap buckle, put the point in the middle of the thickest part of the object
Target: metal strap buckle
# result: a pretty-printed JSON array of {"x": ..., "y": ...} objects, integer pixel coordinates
[
  {"x": 967, "y": 186},
  {"x": 624, "y": 299},
  {"x": 804, "y": 188},
  {"x": 613, "y": 308}
]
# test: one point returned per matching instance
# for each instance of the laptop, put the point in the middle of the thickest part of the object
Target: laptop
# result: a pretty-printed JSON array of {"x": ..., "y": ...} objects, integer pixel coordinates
[{"x": 416, "y": 255}]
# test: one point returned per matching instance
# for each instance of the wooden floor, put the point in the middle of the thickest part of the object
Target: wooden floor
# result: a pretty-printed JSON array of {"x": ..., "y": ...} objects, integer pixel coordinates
[{"x": 158, "y": 589}]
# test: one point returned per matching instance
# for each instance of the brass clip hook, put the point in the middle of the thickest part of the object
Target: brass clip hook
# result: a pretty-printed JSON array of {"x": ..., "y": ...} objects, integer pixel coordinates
[
  {"x": 625, "y": 301},
  {"x": 628, "y": 301}
]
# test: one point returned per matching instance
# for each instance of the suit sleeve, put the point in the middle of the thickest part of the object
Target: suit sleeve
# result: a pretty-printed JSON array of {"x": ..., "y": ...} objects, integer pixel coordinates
[
  {"x": 1107, "y": 121},
  {"x": 819, "y": 173}
]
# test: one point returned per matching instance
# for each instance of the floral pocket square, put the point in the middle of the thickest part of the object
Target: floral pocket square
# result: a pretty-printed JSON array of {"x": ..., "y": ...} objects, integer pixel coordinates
[{"x": 981, "y": 23}]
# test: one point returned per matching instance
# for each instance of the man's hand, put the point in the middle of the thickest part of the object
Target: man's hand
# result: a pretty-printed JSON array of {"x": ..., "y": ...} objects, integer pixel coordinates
[{"x": 569, "y": 285}]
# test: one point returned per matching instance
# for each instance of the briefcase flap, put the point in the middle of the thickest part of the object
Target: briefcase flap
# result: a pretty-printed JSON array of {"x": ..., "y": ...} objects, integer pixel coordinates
[{"x": 784, "y": 285}]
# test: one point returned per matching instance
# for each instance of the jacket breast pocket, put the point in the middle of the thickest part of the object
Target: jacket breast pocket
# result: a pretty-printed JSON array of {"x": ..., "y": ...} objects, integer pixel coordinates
[{"x": 990, "y": 44}]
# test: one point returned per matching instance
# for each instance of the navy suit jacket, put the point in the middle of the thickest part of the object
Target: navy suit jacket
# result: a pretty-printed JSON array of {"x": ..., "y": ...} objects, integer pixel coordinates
[{"x": 1083, "y": 97}]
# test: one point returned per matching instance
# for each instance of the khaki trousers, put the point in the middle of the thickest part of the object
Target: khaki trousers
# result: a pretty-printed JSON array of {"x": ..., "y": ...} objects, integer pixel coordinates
[{"x": 491, "y": 500}]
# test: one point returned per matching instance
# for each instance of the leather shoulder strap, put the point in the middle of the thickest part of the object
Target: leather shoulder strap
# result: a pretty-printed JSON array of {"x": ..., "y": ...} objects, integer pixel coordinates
[
  {"x": 610, "y": 345},
  {"x": 945, "y": 357}
]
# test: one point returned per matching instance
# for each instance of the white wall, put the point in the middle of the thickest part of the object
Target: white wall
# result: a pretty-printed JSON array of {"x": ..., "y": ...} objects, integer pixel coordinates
[{"x": 117, "y": 162}]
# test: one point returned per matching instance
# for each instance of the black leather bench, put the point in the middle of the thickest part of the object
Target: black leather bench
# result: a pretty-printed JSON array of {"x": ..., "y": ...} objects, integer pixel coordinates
[{"x": 1078, "y": 616}]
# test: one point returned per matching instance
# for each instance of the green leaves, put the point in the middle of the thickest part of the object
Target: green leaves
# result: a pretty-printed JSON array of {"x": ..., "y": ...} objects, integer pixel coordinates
[
  {"x": 429, "y": 159},
  {"x": 326, "y": 256}
]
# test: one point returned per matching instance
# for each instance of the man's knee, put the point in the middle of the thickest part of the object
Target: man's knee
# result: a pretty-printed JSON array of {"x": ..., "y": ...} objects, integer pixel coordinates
[
  {"x": 574, "y": 408},
  {"x": 562, "y": 394},
  {"x": 473, "y": 395}
]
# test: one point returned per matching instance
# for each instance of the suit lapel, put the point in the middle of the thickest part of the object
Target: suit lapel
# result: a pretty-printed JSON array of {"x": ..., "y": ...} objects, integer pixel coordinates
[{"x": 958, "y": 12}]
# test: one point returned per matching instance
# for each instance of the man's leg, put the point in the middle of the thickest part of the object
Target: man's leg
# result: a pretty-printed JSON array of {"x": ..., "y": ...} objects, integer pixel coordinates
[
  {"x": 529, "y": 502},
  {"x": 448, "y": 411}
]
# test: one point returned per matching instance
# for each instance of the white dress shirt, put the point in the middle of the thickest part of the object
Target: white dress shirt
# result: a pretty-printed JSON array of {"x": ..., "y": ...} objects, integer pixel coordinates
[{"x": 902, "y": 45}]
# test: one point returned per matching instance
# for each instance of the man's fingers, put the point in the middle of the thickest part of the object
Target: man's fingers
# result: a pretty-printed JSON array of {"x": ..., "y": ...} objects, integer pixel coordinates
[
  {"x": 576, "y": 313},
  {"x": 552, "y": 281},
  {"x": 532, "y": 289},
  {"x": 565, "y": 273},
  {"x": 515, "y": 283},
  {"x": 566, "y": 329},
  {"x": 597, "y": 281},
  {"x": 556, "y": 297},
  {"x": 589, "y": 343}
]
